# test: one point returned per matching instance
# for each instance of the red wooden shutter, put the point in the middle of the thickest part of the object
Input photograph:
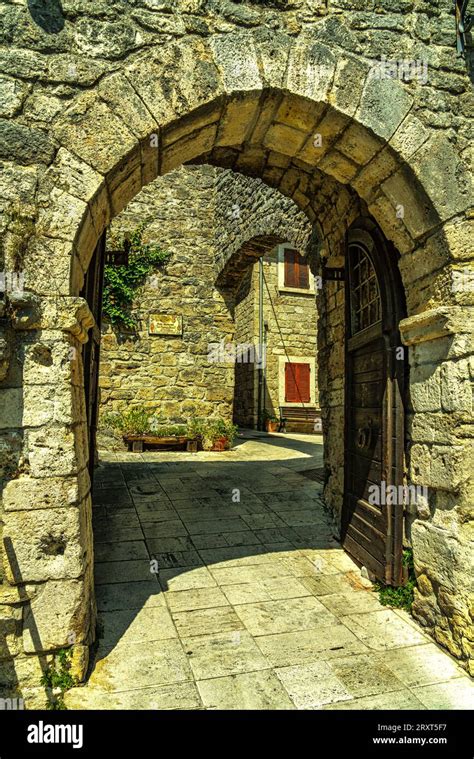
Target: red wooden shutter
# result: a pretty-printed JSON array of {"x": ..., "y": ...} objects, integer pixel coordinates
[
  {"x": 297, "y": 383},
  {"x": 304, "y": 382},
  {"x": 291, "y": 271},
  {"x": 291, "y": 392},
  {"x": 296, "y": 271}
]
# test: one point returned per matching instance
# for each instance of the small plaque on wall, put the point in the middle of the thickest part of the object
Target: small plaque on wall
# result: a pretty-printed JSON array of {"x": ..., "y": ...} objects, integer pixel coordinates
[{"x": 165, "y": 324}]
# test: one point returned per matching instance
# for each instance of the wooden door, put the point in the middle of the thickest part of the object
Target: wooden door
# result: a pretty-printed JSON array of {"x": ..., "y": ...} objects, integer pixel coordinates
[
  {"x": 375, "y": 379},
  {"x": 92, "y": 292}
]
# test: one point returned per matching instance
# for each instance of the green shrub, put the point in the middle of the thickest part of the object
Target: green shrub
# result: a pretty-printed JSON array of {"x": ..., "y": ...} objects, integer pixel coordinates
[
  {"x": 212, "y": 429},
  {"x": 136, "y": 420},
  {"x": 401, "y": 597},
  {"x": 170, "y": 430},
  {"x": 58, "y": 677}
]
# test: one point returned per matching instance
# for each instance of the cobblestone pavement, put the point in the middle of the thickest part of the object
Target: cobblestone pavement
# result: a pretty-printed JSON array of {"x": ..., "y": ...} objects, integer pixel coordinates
[{"x": 254, "y": 604}]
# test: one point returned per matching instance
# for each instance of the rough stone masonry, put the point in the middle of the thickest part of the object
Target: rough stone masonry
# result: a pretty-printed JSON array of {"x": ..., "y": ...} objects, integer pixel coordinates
[{"x": 96, "y": 100}]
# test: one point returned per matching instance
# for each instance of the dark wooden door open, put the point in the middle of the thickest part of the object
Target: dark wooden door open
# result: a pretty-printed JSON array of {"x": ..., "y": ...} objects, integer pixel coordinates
[
  {"x": 92, "y": 292},
  {"x": 372, "y": 532}
]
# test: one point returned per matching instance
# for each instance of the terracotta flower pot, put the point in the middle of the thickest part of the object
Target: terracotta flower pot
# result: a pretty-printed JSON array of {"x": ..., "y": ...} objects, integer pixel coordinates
[
  {"x": 221, "y": 444},
  {"x": 271, "y": 426}
]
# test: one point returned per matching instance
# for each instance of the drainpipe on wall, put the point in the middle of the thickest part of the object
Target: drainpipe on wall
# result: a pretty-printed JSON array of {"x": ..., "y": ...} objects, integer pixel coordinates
[{"x": 261, "y": 361}]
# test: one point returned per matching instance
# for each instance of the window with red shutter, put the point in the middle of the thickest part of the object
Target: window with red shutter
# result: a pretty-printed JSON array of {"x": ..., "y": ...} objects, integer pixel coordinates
[
  {"x": 296, "y": 271},
  {"x": 297, "y": 383}
]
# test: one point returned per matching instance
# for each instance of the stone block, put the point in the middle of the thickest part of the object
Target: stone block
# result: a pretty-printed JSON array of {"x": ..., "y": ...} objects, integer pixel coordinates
[
  {"x": 358, "y": 144},
  {"x": 25, "y": 671},
  {"x": 11, "y": 408},
  {"x": 338, "y": 166},
  {"x": 49, "y": 546},
  {"x": 348, "y": 83},
  {"x": 284, "y": 139},
  {"x": 311, "y": 67},
  {"x": 189, "y": 148},
  {"x": 440, "y": 555},
  {"x": 273, "y": 48},
  {"x": 27, "y": 493},
  {"x": 237, "y": 120},
  {"x": 409, "y": 137},
  {"x": 456, "y": 386},
  {"x": 80, "y": 124},
  {"x": 58, "y": 615},
  {"x": 383, "y": 106},
  {"x": 121, "y": 97},
  {"x": 425, "y": 387},
  {"x": 40, "y": 275},
  {"x": 236, "y": 58},
  {"x": 445, "y": 178},
  {"x": 410, "y": 201}
]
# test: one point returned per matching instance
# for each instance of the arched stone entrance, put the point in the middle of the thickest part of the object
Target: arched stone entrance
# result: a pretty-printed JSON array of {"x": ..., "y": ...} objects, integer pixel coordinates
[{"x": 340, "y": 142}]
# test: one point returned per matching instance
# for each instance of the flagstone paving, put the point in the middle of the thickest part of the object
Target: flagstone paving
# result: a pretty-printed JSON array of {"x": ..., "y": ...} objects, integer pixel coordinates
[{"x": 220, "y": 586}]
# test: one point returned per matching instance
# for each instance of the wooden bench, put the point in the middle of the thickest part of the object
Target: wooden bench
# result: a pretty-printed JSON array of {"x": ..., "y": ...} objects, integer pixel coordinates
[
  {"x": 300, "y": 419},
  {"x": 137, "y": 443}
]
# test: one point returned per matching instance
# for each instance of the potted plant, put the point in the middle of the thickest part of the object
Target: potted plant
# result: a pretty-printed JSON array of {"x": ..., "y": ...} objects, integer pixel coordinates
[
  {"x": 214, "y": 434},
  {"x": 271, "y": 421}
]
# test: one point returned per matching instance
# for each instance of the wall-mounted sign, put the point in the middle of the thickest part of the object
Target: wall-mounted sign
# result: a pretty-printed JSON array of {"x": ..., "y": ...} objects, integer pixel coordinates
[
  {"x": 333, "y": 274},
  {"x": 165, "y": 324}
]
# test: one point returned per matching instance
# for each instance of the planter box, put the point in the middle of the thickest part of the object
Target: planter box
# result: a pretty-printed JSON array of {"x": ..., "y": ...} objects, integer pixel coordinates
[{"x": 137, "y": 443}]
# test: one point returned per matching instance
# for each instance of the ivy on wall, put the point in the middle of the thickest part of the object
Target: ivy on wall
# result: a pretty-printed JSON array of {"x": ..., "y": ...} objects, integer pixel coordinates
[{"x": 122, "y": 282}]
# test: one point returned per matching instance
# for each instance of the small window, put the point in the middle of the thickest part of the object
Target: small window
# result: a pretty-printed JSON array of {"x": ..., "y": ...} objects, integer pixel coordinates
[
  {"x": 365, "y": 302},
  {"x": 297, "y": 383},
  {"x": 296, "y": 270}
]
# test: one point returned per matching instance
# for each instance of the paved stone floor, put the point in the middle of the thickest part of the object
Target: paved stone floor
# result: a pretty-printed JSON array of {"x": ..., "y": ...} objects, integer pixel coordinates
[{"x": 254, "y": 605}]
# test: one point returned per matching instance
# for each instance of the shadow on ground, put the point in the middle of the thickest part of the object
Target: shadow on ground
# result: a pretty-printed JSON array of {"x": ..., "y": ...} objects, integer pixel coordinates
[{"x": 220, "y": 584}]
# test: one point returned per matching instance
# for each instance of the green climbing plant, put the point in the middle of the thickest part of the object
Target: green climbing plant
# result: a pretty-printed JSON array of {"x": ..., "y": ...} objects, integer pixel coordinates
[
  {"x": 58, "y": 679},
  {"x": 122, "y": 282},
  {"x": 401, "y": 597}
]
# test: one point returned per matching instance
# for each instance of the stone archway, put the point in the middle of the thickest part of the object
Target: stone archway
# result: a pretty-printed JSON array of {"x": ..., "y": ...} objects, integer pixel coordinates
[{"x": 338, "y": 141}]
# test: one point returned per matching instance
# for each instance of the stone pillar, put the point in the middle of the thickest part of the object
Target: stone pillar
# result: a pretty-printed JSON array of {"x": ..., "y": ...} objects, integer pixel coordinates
[
  {"x": 46, "y": 599},
  {"x": 440, "y": 456}
]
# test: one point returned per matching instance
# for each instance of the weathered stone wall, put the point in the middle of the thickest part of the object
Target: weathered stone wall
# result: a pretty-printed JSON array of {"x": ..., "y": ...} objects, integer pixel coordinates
[
  {"x": 245, "y": 86},
  {"x": 291, "y": 319},
  {"x": 172, "y": 375}
]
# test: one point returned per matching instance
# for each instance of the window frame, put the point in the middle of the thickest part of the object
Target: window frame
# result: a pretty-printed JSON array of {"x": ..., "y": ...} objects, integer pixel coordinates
[
  {"x": 282, "y": 287},
  {"x": 282, "y": 361}
]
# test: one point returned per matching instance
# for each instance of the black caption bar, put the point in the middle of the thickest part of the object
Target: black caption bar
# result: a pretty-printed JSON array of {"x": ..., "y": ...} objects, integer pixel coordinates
[{"x": 66, "y": 733}]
